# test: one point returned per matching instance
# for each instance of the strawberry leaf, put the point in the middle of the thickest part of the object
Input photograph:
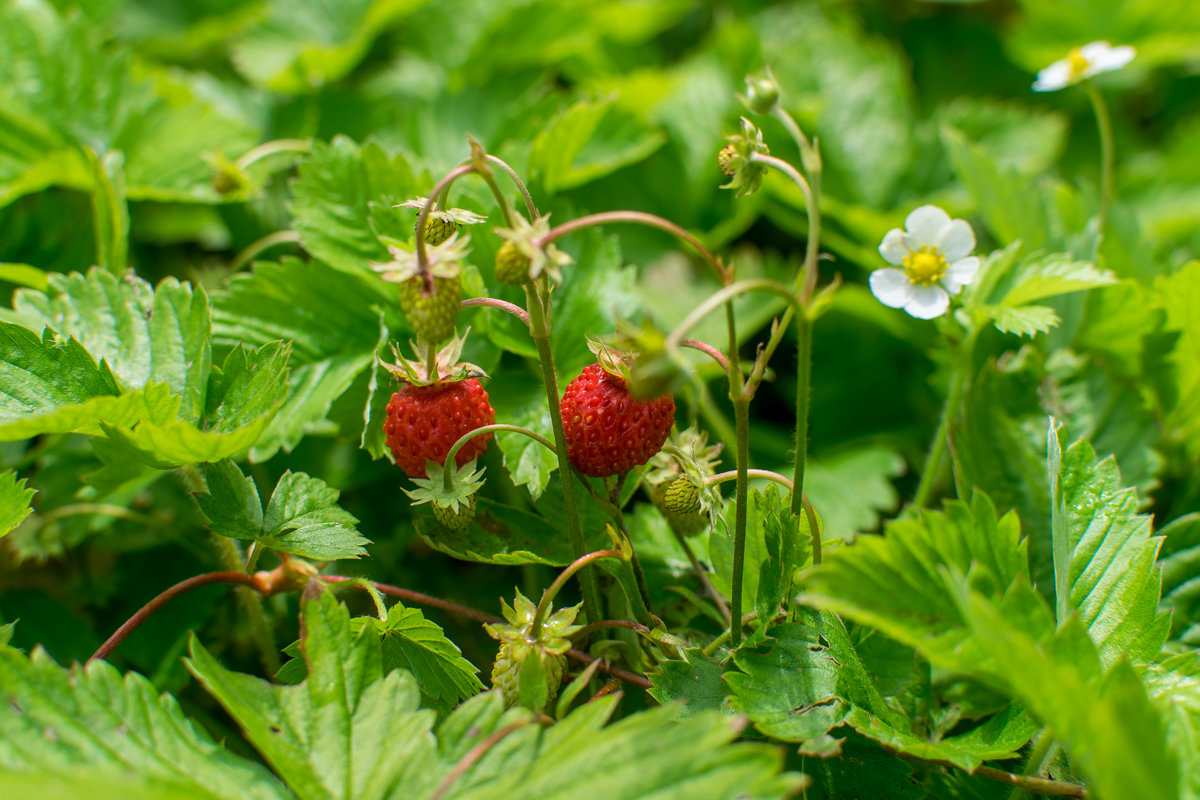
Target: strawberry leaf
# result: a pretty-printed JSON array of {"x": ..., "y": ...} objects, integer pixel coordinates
[
  {"x": 144, "y": 334},
  {"x": 302, "y": 517},
  {"x": 14, "y": 502},
  {"x": 1115, "y": 584},
  {"x": 330, "y": 319},
  {"x": 342, "y": 203},
  {"x": 350, "y": 730},
  {"x": 93, "y": 723},
  {"x": 420, "y": 646}
]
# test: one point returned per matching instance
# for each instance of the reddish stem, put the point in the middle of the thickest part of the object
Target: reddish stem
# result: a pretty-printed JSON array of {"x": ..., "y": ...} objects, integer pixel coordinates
[
  {"x": 170, "y": 594},
  {"x": 423, "y": 599},
  {"x": 503, "y": 305},
  {"x": 474, "y": 754},
  {"x": 708, "y": 349},
  {"x": 628, "y": 677}
]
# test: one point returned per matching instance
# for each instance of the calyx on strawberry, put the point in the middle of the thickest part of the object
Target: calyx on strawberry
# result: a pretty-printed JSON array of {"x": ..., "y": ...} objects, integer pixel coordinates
[
  {"x": 523, "y": 258},
  {"x": 442, "y": 223},
  {"x": 453, "y": 496},
  {"x": 519, "y": 647},
  {"x": 677, "y": 480},
  {"x": 607, "y": 430},
  {"x": 435, "y": 405},
  {"x": 430, "y": 299}
]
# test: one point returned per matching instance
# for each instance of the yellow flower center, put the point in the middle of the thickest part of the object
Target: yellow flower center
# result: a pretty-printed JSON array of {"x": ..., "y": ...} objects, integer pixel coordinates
[
  {"x": 1077, "y": 62},
  {"x": 925, "y": 266}
]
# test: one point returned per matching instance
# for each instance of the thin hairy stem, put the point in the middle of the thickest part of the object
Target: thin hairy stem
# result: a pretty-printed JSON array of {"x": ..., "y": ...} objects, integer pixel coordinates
[
  {"x": 641, "y": 218},
  {"x": 471, "y": 434},
  {"x": 702, "y": 576},
  {"x": 423, "y": 218},
  {"x": 710, "y": 351},
  {"x": 503, "y": 305},
  {"x": 423, "y": 599},
  {"x": 144, "y": 613},
  {"x": 548, "y": 596},
  {"x": 474, "y": 754},
  {"x": 539, "y": 330},
  {"x": 1107, "y": 151},
  {"x": 586, "y": 630},
  {"x": 720, "y": 298},
  {"x": 725, "y": 635},
  {"x": 256, "y": 248},
  {"x": 252, "y": 605},
  {"x": 271, "y": 148},
  {"x": 628, "y": 677}
]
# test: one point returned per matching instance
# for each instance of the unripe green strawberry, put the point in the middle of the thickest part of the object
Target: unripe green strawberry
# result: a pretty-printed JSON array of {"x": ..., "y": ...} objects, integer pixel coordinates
[
  {"x": 725, "y": 159},
  {"x": 512, "y": 266},
  {"x": 456, "y": 519},
  {"x": 684, "y": 523},
  {"x": 518, "y": 645},
  {"x": 682, "y": 496},
  {"x": 437, "y": 229},
  {"x": 505, "y": 672},
  {"x": 431, "y": 313}
]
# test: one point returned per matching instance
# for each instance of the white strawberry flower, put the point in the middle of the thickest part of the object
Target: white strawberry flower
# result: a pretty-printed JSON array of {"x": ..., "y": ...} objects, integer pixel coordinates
[
  {"x": 1082, "y": 62},
  {"x": 932, "y": 254}
]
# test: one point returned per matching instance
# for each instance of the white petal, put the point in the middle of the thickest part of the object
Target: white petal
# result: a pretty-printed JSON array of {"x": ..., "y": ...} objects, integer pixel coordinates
[
  {"x": 1112, "y": 58},
  {"x": 894, "y": 247},
  {"x": 960, "y": 273},
  {"x": 891, "y": 287},
  {"x": 925, "y": 226},
  {"x": 927, "y": 302},
  {"x": 958, "y": 240},
  {"x": 1054, "y": 77},
  {"x": 1094, "y": 51}
]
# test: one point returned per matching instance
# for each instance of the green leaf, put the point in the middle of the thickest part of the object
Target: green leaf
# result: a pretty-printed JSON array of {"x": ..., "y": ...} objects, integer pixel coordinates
[
  {"x": 341, "y": 190},
  {"x": 302, "y": 517},
  {"x": 851, "y": 489},
  {"x": 350, "y": 731},
  {"x": 242, "y": 399},
  {"x": 696, "y": 683},
  {"x": 161, "y": 122},
  {"x": 1174, "y": 688},
  {"x": 298, "y": 47},
  {"x": 905, "y": 583},
  {"x": 49, "y": 384},
  {"x": 1106, "y": 722},
  {"x": 521, "y": 400},
  {"x": 857, "y": 88},
  {"x": 144, "y": 334},
  {"x": 1180, "y": 564},
  {"x": 587, "y": 141},
  {"x": 1023, "y": 321},
  {"x": 110, "y": 213},
  {"x": 1002, "y": 196},
  {"x": 502, "y": 534},
  {"x": 334, "y": 329},
  {"x": 84, "y": 723},
  {"x": 759, "y": 507},
  {"x": 1047, "y": 276},
  {"x": 1115, "y": 584},
  {"x": 808, "y": 680},
  {"x": 1179, "y": 295},
  {"x": 1014, "y": 135},
  {"x": 420, "y": 646},
  {"x": 15, "y": 500},
  {"x": 787, "y": 540}
]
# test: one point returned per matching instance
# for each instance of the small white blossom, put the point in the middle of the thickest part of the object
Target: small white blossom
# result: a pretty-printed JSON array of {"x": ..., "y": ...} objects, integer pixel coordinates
[
  {"x": 932, "y": 254},
  {"x": 1082, "y": 62}
]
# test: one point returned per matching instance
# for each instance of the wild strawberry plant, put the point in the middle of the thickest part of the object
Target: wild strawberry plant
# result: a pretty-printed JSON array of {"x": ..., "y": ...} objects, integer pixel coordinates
[{"x": 389, "y": 413}]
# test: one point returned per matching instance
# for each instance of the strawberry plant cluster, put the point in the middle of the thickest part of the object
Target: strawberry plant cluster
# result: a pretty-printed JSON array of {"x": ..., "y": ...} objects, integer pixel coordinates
[{"x": 645, "y": 400}]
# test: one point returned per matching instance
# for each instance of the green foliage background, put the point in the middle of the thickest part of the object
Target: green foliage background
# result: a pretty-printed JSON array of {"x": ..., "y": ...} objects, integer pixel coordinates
[{"x": 178, "y": 337}]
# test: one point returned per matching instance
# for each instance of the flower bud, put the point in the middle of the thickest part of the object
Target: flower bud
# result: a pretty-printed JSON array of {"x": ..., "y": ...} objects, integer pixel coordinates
[{"x": 762, "y": 93}]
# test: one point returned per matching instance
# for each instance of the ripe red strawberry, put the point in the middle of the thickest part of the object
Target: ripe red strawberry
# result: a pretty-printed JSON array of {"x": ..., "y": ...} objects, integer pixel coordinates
[
  {"x": 423, "y": 422},
  {"x": 607, "y": 430}
]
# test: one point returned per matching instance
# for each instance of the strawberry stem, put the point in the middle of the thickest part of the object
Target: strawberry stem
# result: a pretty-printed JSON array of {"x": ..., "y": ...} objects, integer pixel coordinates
[
  {"x": 469, "y": 435},
  {"x": 503, "y": 305},
  {"x": 165, "y": 597},
  {"x": 548, "y": 596},
  {"x": 642, "y": 218},
  {"x": 539, "y": 329},
  {"x": 442, "y": 186},
  {"x": 810, "y": 513}
]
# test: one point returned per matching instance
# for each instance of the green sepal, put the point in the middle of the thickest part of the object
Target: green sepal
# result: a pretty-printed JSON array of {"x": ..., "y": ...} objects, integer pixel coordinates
[{"x": 465, "y": 481}]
